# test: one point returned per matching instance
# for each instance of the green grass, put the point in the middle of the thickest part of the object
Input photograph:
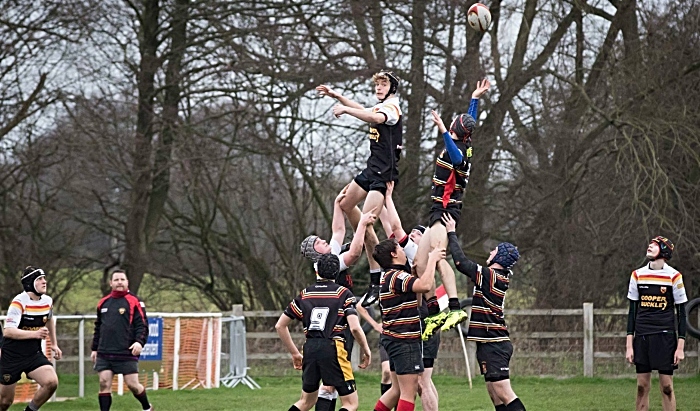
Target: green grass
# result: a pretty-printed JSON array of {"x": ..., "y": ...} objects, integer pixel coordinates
[{"x": 278, "y": 393}]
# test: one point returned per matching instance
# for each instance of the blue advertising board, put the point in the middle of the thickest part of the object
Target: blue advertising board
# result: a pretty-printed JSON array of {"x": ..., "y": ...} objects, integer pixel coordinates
[{"x": 153, "y": 350}]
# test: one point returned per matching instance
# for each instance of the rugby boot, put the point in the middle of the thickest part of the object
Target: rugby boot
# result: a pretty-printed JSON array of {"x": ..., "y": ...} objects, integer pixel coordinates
[
  {"x": 454, "y": 317},
  {"x": 432, "y": 323}
]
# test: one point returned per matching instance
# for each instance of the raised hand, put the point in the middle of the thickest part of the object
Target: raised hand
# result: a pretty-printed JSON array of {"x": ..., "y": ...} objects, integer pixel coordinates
[
  {"x": 342, "y": 194},
  {"x": 369, "y": 217},
  {"x": 482, "y": 87},
  {"x": 438, "y": 121},
  {"x": 450, "y": 223},
  {"x": 324, "y": 90},
  {"x": 339, "y": 110},
  {"x": 437, "y": 254},
  {"x": 389, "y": 188}
]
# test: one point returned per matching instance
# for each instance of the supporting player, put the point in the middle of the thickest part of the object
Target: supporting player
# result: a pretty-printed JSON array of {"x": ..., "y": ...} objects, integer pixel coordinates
[
  {"x": 29, "y": 320},
  {"x": 314, "y": 247},
  {"x": 652, "y": 344},
  {"x": 401, "y": 324},
  {"x": 386, "y": 139},
  {"x": 409, "y": 242},
  {"x": 452, "y": 169},
  {"x": 325, "y": 310},
  {"x": 487, "y": 326}
]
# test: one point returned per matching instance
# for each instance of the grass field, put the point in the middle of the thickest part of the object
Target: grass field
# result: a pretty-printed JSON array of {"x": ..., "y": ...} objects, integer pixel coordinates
[{"x": 278, "y": 393}]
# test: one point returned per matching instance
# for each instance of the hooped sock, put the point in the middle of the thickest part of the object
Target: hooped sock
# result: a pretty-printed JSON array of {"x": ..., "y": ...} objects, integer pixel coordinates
[
  {"x": 143, "y": 399},
  {"x": 374, "y": 275},
  {"x": 453, "y": 304},
  {"x": 433, "y": 305},
  {"x": 105, "y": 401}
]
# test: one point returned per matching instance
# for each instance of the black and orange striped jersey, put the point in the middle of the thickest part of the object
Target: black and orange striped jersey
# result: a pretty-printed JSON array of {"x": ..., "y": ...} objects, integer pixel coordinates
[
  {"x": 449, "y": 179},
  {"x": 487, "y": 322},
  {"x": 27, "y": 314},
  {"x": 657, "y": 291},
  {"x": 386, "y": 141},
  {"x": 400, "y": 316},
  {"x": 322, "y": 309}
]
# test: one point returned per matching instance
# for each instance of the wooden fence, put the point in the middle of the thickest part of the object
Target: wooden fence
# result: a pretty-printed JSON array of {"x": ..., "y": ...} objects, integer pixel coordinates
[{"x": 562, "y": 342}]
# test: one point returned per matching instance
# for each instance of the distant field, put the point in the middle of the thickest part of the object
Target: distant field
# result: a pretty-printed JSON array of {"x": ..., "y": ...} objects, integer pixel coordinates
[{"x": 279, "y": 393}]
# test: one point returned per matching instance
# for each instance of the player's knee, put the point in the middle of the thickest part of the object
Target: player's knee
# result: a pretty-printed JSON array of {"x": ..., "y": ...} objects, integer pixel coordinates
[
  {"x": 667, "y": 389},
  {"x": 51, "y": 384},
  {"x": 386, "y": 377},
  {"x": 105, "y": 385},
  {"x": 642, "y": 390}
]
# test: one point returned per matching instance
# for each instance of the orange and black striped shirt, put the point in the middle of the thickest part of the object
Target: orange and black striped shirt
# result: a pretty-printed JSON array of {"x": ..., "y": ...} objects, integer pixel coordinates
[
  {"x": 400, "y": 316},
  {"x": 322, "y": 309}
]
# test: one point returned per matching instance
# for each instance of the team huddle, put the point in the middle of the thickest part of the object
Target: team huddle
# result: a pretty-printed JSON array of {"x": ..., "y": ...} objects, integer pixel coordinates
[{"x": 402, "y": 271}]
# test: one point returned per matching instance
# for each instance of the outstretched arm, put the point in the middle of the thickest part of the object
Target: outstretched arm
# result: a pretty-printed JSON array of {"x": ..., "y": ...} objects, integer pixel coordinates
[
  {"x": 456, "y": 156},
  {"x": 353, "y": 254},
  {"x": 360, "y": 113},
  {"x": 338, "y": 223},
  {"x": 392, "y": 215},
  {"x": 325, "y": 90},
  {"x": 481, "y": 88},
  {"x": 462, "y": 263}
]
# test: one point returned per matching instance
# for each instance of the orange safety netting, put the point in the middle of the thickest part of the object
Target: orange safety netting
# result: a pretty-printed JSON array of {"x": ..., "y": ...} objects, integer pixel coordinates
[{"x": 192, "y": 372}]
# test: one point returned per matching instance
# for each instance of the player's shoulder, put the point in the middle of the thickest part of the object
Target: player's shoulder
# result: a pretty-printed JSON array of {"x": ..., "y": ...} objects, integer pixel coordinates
[
  {"x": 20, "y": 300},
  {"x": 392, "y": 103},
  {"x": 670, "y": 269}
]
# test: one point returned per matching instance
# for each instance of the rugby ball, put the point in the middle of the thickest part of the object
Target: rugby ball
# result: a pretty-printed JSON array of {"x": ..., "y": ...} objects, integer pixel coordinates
[{"x": 479, "y": 17}]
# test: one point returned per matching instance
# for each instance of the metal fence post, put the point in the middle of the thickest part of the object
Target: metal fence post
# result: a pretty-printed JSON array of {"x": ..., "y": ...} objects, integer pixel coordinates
[
  {"x": 81, "y": 358},
  {"x": 588, "y": 339}
]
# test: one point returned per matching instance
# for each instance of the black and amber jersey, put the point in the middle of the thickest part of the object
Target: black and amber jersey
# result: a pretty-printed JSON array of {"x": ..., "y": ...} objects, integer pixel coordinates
[
  {"x": 386, "y": 141},
  {"x": 26, "y": 314},
  {"x": 400, "y": 316},
  {"x": 487, "y": 323},
  {"x": 657, "y": 292},
  {"x": 450, "y": 179},
  {"x": 322, "y": 309}
]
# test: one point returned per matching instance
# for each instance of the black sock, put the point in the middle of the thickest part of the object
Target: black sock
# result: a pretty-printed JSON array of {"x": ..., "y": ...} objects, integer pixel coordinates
[
  {"x": 143, "y": 399},
  {"x": 294, "y": 408},
  {"x": 453, "y": 304},
  {"x": 324, "y": 404},
  {"x": 374, "y": 277},
  {"x": 385, "y": 387},
  {"x": 515, "y": 405},
  {"x": 501, "y": 407},
  {"x": 31, "y": 407},
  {"x": 343, "y": 409},
  {"x": 105, "y": 401},
  {"x": 433, "y": 306}
]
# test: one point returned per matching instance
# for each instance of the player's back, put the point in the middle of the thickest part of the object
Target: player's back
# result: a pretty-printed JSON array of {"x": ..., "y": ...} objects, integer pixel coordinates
[{"x": 324, "y": 305}]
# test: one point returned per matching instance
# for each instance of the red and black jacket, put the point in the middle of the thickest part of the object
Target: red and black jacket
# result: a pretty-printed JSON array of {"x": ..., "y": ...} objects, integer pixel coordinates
[{"x": 121, "y": 321}]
